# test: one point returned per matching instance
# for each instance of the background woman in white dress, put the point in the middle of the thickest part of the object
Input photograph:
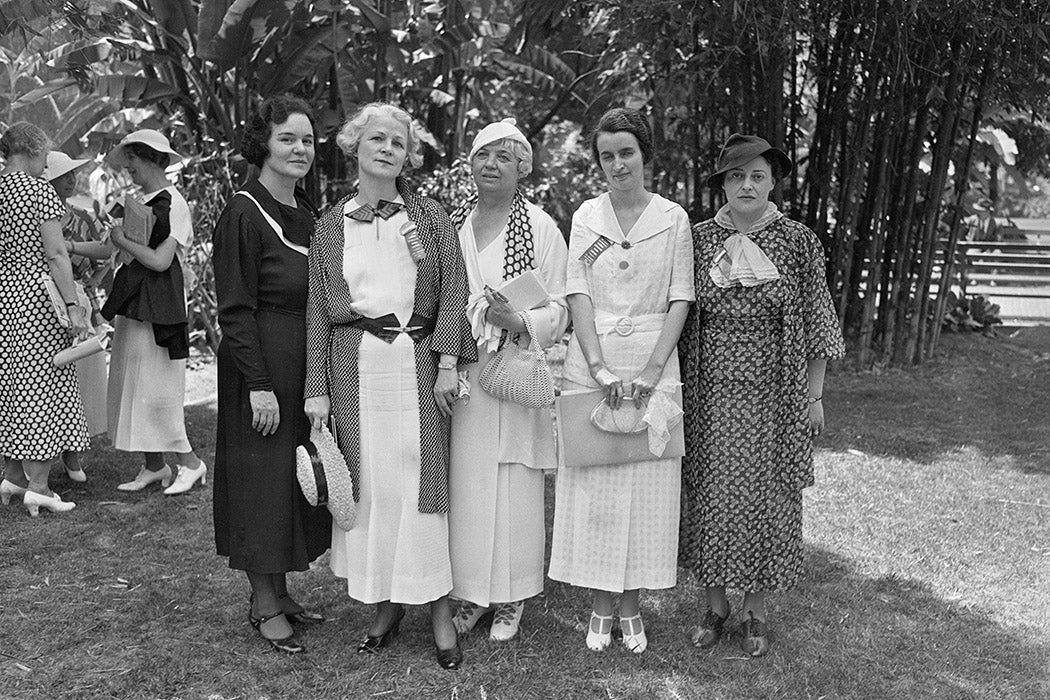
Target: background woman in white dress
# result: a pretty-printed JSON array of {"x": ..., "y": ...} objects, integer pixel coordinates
[
  {"x": 386, "y": 330},
  {"x": 147, "y": 305},
  {"x": 499, "y": 448},
  {"x": 629, "y": 284}
]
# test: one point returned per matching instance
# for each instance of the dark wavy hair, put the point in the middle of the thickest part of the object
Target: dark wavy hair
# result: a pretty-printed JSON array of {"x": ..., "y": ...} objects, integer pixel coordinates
[
  {"x": 622, "y": 119},
  {"x": 272, "y": 112}
]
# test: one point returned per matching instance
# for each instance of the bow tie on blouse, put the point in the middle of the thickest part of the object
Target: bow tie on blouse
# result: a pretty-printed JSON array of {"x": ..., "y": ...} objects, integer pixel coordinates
[
  {"x": 367, "y": 213},
  {"x": 741, "y": 261}
]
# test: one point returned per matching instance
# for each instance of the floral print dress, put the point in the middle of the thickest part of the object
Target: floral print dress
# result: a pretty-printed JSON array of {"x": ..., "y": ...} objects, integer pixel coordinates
[{"x": 748, "y": 444}]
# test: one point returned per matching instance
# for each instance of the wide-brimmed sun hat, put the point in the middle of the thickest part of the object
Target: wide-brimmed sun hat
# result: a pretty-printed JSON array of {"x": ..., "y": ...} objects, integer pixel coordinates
[
  {"x": 324, "y": 477},
  {"x": 150, "y": 137},
  {"x": 741, "y": 149},
  {"x": 58, "y": 164}
]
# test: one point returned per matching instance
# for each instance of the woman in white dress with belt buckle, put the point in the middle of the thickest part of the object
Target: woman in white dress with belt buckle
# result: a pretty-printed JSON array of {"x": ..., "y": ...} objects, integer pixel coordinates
[
  {"x": 499, "y": 448},
  {"x": 386, "y": 330},
  {"x": 629, "y": 284}
]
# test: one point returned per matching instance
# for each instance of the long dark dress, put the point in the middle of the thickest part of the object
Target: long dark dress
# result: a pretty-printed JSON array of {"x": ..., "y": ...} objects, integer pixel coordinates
[
  {"x": 262, "y": 521},
  {"x": 748, "y": 448}
]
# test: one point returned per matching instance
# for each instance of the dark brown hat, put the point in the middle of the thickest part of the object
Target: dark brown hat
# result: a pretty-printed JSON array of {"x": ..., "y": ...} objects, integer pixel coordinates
[{"x": 741, "y": 149}]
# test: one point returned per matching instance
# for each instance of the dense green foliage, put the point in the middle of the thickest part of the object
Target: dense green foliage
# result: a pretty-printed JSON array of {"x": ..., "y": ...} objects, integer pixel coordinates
[{"x": 897, "y": 112}]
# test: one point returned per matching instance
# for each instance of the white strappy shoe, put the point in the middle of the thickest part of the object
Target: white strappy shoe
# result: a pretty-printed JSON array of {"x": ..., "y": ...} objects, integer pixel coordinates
[
  {"x": 634, "y": 633},
  {"x": 599, "y": 632}
]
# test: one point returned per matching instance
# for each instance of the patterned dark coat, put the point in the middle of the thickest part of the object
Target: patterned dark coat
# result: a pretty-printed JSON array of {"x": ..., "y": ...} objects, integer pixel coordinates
[{"x": 332, "y": 347}]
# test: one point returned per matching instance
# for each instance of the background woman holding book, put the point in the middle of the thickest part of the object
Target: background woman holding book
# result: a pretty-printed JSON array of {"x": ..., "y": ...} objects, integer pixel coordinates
[
  {"x": 630, "y": 283},
  {"x": 147, "y": 305},
  {"x": 40, "y": 411},
  {"x": 499, "y": 448}
]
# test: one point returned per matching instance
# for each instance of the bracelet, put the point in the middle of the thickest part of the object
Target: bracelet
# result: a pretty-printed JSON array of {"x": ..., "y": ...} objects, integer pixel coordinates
[
  {"x": 449, "y": 365},
  {"x": 814, "y": 399},
  {"x": 70, "y": 303}
]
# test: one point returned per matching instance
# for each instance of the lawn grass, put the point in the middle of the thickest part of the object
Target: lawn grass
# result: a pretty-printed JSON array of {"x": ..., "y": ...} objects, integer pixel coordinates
[{"x": 928, "y": 575}]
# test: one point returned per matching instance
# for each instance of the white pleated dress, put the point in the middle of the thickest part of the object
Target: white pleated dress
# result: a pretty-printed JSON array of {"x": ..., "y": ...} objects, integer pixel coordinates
[
  {"x": 393, "y": 552},
  {"x": 499, "y": 448},
  {"x": 146, "y": 388}
]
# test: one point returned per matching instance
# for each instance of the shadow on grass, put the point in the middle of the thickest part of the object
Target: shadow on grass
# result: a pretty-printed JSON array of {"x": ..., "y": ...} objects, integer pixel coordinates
[
  {"x": 992, "y": 394},
  {"x": 125, "y": 598}
]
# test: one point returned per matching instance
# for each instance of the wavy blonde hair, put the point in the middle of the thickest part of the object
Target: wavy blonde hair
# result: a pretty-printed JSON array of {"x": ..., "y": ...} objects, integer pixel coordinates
[{"x": 349, "y": 137}]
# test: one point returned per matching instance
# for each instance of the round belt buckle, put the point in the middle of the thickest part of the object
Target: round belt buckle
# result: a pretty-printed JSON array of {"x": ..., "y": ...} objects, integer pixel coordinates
[{"x": 624, "y": 326}]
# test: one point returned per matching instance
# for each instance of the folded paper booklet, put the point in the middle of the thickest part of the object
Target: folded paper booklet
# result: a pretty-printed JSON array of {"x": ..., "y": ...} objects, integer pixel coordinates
[
  {"x": 138, "y": 224},
  {"x": 526, "y": 291},
  {"x": 582, "y": 443}
]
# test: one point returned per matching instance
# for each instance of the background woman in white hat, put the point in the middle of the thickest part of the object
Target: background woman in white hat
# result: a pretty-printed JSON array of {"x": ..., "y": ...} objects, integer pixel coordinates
[
  {"x": 499, "y": 448},
  {"x": 40, "y": 410},
  {"x": 147, "y": 369}
]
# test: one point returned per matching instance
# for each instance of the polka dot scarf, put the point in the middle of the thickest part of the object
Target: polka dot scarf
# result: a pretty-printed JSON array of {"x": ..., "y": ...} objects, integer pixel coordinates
[{"x": 519, "y": 255}]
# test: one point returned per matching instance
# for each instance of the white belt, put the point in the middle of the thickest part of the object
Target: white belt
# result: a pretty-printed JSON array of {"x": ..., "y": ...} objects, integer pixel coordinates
[{"x": 606, "y": 323}]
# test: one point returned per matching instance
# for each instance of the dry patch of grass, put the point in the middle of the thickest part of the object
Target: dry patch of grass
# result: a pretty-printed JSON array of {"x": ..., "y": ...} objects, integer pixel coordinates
[{"x": 928, "y": 559}]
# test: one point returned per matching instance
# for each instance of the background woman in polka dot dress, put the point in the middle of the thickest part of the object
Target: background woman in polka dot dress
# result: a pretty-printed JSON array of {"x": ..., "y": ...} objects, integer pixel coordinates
[
  {"x": 40, "y": 411},
  {"x": 629, "y": 282}
]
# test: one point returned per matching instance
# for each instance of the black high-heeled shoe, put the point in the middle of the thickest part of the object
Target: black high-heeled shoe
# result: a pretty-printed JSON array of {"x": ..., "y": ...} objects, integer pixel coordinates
[
  {"x": 450, "y": 658},
  {"x": 304, "y": 616},
  {"x": 371, "y": 645},
  {"x": 286, "y": 644}
]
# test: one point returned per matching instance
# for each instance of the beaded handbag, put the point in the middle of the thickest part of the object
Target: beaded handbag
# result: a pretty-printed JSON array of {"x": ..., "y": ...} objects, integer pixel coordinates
[{"x": 520, "y": 374}]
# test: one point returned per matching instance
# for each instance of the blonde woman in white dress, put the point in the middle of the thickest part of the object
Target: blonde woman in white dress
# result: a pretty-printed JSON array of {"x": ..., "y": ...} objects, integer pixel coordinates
[
  {"x": 386, "y": 331},
  {"x": 499, "y": 448},
  {"x": 629, "y": 284}
]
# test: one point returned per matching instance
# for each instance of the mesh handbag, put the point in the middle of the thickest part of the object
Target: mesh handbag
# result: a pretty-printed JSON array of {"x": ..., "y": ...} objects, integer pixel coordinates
[{"x": 518, "y": 374}]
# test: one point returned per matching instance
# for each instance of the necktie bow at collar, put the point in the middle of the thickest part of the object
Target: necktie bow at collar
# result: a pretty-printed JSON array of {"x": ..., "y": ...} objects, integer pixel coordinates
[
  {"x": 741, "y": 261},
  {"x": 367, "y": 213}
]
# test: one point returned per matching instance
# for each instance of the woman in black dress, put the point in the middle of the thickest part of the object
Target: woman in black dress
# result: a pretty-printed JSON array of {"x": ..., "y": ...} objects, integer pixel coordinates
[{"x": 262, "y": 521}]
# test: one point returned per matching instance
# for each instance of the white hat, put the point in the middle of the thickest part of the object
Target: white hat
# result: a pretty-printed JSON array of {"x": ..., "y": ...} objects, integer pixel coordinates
[
  {"x": 58, "y": 164},
  {"x": 498, "y": 131},
  {"x": 150, "y": 137}
]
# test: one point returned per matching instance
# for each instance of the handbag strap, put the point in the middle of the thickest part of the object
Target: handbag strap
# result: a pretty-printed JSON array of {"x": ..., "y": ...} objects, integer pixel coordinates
[{"x": 527, "y": 320}]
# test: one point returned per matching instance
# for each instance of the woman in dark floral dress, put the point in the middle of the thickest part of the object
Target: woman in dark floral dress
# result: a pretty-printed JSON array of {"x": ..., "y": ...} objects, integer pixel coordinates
[{"x": 754, "y": 352}]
